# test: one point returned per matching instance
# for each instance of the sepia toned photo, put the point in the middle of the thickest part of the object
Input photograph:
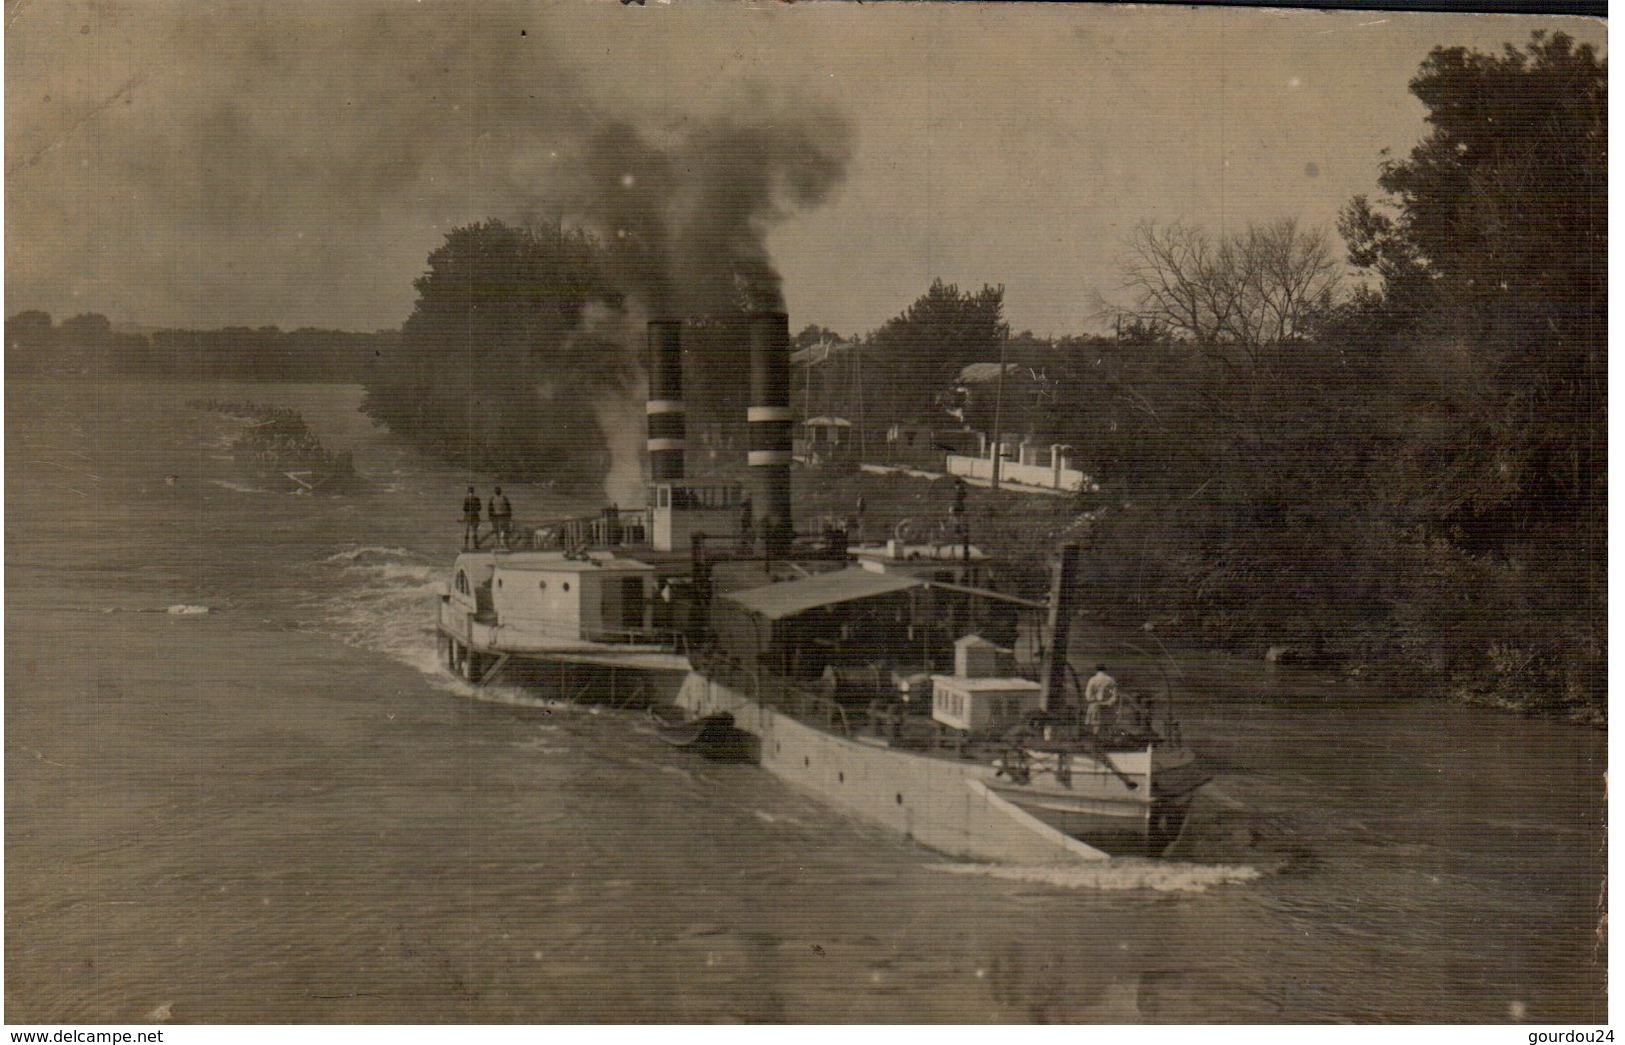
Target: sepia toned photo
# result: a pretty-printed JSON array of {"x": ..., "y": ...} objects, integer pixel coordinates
[{"x": 645, "y": 512}]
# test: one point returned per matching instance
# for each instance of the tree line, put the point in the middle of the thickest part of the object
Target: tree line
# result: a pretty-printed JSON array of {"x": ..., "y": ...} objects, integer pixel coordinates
[
  {"x": 88, "y": 343},
  {"x": 1390, "y": 456}
]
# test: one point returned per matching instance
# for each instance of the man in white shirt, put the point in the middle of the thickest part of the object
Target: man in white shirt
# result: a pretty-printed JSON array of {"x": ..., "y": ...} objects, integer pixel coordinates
[{"x": 1099, "y": 694}]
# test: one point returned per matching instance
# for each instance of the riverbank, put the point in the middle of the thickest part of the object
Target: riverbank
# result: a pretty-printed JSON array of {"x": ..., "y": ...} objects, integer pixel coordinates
[{"x": 1141, "y": 573}]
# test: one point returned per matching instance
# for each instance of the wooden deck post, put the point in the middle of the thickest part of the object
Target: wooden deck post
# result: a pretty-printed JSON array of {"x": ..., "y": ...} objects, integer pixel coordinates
[{"x": 1061, "y": 601}]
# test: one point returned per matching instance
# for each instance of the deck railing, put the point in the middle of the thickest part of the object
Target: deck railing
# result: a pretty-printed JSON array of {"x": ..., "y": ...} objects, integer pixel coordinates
[
  {"x": 628, "y": 526},
  {"x": 780, "y": 694}
]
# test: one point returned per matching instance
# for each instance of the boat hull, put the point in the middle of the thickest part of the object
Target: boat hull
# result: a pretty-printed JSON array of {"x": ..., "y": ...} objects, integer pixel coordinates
[
  {"x": 1120, "y": 828},
  {"x": 569, "y": 671},
  {"x": 958, "y": 806}
]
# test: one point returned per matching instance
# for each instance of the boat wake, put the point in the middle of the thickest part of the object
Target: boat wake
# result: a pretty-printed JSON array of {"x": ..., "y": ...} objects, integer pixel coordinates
[
  {"x": 382, "y": 599},
  {"x": 227, "y": 484},
  {"x": 1118, "y": 875},
  {"x": 370, "y": 552},
  {"x": 541, "y": 746}
]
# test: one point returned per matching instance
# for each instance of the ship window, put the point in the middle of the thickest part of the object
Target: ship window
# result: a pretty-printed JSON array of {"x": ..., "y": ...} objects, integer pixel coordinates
[
  {"x": 499, "y": 582},
  {"x": 541, "y": 585},
  {"x": 899, "y": 798},
  {"x": 566, "y": 585},
  {"x": 841, "y": 777}
]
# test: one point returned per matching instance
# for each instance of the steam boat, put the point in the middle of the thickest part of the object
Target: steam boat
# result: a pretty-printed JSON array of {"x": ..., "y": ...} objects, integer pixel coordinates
[{"x": 890, "y": 681}]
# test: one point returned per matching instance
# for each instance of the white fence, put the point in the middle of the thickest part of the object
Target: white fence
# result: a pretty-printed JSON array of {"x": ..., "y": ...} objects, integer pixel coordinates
[{"x": 1054, "y": 476}]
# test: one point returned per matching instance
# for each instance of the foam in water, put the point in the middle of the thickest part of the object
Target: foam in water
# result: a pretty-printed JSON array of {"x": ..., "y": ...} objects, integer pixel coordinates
[
  {"x": 386, "y": 605},
  {"x": 540, "y": 746},
  {"x": 226, "y": 484},
  {"x": 1117, "y": 875},
  {"x": 643, "y": 763},
  {"x": 368, "y": 552}
]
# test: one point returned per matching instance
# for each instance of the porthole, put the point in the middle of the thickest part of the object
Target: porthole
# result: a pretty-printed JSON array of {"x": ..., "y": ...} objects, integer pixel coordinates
[
  {"x": 566, "y": 585},
  {"x": 841, "y": 777},
  {"x": 541, "y": 585},
  {"x": 499, "y": 582},
  {"x": 899, "y": 798},
  {"x": 806, "y": 761}
]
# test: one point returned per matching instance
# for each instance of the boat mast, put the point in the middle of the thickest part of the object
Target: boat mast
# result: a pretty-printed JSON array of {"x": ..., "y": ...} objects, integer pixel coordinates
[{"x": 1062, "y": 595}]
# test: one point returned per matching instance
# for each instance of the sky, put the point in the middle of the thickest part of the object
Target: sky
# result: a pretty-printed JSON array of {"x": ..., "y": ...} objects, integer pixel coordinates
[{"x": 294, "y": 163}]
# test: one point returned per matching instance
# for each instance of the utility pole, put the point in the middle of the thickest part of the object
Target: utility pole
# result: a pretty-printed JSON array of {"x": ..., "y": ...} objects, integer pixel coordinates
[
  {"x": 856, "y": 372},
  {"x": 807, "y": 412},
  {"x": 998, "y": 408}
]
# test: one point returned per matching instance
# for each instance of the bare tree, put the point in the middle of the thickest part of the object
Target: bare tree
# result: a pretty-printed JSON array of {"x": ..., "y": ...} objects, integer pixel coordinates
[
  {"x": 1258, "y": 287},
  {"x": 1296, "y": 277},
  {"x": 1174, "y": 273}
]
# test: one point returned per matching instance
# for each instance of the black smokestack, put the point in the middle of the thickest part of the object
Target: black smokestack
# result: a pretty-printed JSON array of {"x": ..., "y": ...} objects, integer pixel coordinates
[
  {"x": 770, "y": 428},
  {"x": 667, "y": 427},
  {"x": 684, "y": 217}
]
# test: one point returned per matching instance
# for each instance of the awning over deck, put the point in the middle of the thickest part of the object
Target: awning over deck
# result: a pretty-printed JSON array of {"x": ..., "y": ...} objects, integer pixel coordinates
[{"x": 778, "y": 601}]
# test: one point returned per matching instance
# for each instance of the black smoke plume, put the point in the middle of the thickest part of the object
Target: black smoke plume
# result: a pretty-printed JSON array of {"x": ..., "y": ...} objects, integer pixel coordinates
[
  {"x": 293, "y": 164},
  {"x": 686, "y": 224}
]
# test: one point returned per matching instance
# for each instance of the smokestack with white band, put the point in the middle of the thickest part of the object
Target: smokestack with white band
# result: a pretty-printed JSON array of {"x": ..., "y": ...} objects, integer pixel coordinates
[
  {"x": 770, "y": 429},
  {"x": 668, "y": 441}
]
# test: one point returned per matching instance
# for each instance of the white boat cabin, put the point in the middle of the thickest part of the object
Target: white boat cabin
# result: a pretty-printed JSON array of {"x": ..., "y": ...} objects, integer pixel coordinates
[
  {"x": 982, "y": 694},
  {"x": 978, "y": 705},
  {"x": 555, "y": 596}
]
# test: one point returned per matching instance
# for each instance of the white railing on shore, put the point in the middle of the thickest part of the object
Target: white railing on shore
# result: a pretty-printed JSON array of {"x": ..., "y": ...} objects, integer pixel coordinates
[{"x": 1048, "y": 477}]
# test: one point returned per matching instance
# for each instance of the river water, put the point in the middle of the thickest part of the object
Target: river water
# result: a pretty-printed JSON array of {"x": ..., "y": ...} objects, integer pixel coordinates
[{"x": 279, "y": 811}]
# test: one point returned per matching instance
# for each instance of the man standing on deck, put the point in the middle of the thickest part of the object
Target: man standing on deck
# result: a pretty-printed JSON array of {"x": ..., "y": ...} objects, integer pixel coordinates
[
  {"x": 1099, "y": 694},
  {"x": 501, "y": 517},
  {"x": 471, "y": 520}
]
